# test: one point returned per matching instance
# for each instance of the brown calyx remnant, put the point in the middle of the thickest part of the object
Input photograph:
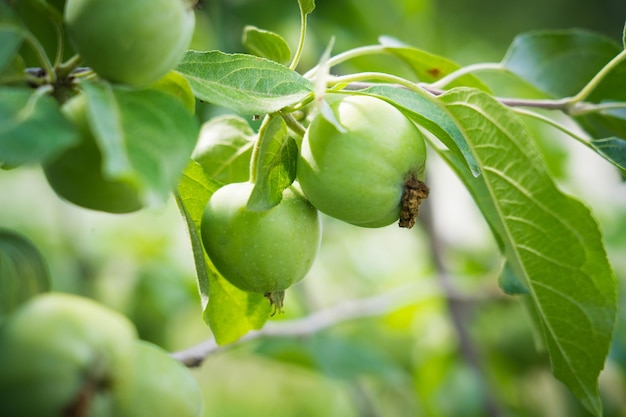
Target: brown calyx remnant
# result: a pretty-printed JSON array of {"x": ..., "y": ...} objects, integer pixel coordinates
[
  {"x": 80, "y": 406},
  {"x": 276, "y": 300},
  {"x": 414, "y": 192}
]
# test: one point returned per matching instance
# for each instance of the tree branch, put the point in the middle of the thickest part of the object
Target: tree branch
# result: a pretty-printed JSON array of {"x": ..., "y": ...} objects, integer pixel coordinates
[
  {"x": 343, "y": 312},
  {"x": 346, "y": 311}
]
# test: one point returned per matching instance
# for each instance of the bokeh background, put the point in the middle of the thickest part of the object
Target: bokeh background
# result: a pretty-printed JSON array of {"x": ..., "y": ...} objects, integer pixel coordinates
[{"x": 431, "y": 344}]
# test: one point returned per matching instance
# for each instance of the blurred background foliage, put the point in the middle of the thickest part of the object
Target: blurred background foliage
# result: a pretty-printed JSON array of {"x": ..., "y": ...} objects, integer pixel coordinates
[{"x": 419, "y": 357}]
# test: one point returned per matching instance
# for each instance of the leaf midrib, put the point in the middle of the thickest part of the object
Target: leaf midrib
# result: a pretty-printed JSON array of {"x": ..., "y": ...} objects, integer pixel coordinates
[{"x": 514, "y": 247}]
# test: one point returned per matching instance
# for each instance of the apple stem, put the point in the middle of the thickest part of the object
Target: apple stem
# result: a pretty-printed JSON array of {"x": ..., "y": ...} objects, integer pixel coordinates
[
  {"x": 81, "y": 405},
  {"x": 415, "y": 191},
  {"x": 276, "y": 299}
]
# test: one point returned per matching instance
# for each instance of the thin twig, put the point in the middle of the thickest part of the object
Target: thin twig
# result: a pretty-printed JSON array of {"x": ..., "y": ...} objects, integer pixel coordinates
[
  {"x": 548, "y": 104},
  {"x": 346, "y": 311},
  {"x": 316, "y": 321}
]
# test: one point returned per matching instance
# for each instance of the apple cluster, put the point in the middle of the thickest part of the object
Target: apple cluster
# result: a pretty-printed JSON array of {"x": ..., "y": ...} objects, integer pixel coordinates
[
  {"x": 369, "y": 173},
  {"x": 63, "y": 355},
  {"x": 130, "y": 44}
]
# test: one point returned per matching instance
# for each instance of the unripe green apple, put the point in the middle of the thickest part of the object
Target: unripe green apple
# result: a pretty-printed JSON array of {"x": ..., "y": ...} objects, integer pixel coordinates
[
  {"x": 77, "y": 175},
  {"x": 64, "y": 355},
  {"x": 362, "y": 175},
  {"x": 260, "y": 251},
  {"x": 130, "y": 42},
  {"x": 163, "y": 386}
]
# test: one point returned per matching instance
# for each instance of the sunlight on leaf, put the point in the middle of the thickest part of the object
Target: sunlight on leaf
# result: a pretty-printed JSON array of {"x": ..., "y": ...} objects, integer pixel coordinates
[{"x": 232, "y": 313}]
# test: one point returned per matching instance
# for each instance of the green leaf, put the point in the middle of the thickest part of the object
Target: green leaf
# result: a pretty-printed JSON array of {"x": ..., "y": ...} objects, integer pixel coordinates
[
  {"x": 244, "y": 83},
  {"x": 481, "y": 194},
  {"x": 276, "y": 165},
  {"x": 146, "y": 136},
  {"x": 559, "y": 63},
  {"x": 232, "y": 313},
  {"x": 193, "y": 193},
  {"x": 608, "y": 130},
  {"x": 10, "y": 41},
  {"x": 23, "y": 271},
  {"x": 266, "y": 44},
  {"x": 224, "y": 148},
  {"x": 550, "y": 240},
  {"x": 430, "y": 67},
  {"x": 229, "y": 312},
  {"x": 14, "y": 73},
  {"x": 32, "y": 129},
  {"x": 611, "y": 87},
  {"x": 510, "y": 283},
  {"x": 321, "y": 81},
  {"x": 52, "y": 8},
  {"x": 105, "y": 120},
  {"x": 306, "y": 6},
  {"x": 613, "y": 150},
  {"x": 430, "y": 115}
]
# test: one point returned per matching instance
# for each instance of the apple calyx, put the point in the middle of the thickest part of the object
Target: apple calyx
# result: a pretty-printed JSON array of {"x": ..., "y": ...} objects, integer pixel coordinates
[{"x": 415, "y": 191}]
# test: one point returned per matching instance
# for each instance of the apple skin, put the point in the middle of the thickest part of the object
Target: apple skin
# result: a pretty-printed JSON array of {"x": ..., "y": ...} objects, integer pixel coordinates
[
  {"x": 164, "y": 387},
  {"x": 262, "y": 252},
  {"x": 76, "y": 175},
  {"x": 130, "y": 42},
  {"x": 64, "y": 355},
  {"x": 359, "y": 176}
]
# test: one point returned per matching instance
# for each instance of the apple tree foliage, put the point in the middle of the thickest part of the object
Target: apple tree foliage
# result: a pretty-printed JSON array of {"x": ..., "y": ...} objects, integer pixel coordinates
[{"x": 552, "y": 249}]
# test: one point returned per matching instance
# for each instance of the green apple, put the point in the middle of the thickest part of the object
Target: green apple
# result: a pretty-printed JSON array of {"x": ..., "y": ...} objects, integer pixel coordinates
[
  {"x": 130, "y": 42},
  {"x": 63, "y": 355},
  {"x": 77, "y": 174},
  {"x": 260, "y": 251},
  {"x": 360, "y": 175},
  {"x": 163, "y": 386}
]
